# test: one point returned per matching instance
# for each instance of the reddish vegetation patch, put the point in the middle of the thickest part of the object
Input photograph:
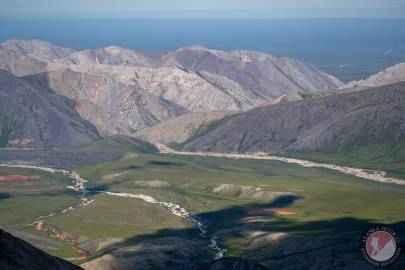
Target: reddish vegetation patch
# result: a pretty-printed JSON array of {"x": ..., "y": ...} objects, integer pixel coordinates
[
  {"x": 17, "y": 177},
  {"x": 40, "y": 225},
  {"x": 269, "y": 211},
  {"x": 283, "y": 212}
]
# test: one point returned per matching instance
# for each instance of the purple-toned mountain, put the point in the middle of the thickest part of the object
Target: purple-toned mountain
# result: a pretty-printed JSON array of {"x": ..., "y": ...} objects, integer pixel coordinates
[
  {"x": 328, "y": 124},
  {"x": 35, "y": 117}
]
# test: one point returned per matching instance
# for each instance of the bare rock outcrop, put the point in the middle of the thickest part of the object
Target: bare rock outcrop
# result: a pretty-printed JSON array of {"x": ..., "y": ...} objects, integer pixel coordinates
[
  {"x": 387, "y": 76},
  {"x": 27, "y": 57},
  {"x": 112, "y": 107},
  {"x": 198, "y": 92}
]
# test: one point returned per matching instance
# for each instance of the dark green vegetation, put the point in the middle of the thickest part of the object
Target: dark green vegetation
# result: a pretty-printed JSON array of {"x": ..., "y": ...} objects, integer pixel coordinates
[
  {"x": 99, "y": 150},
  {"x": 119, "y": 144},
  {"x": 386, "y": 157},
  {"x": 321, "y": 204}
]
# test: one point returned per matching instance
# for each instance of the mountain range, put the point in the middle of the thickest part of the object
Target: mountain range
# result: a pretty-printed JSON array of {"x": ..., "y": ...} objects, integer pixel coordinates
[
  {"x": 103, "y": 113},
  {"x": 260, "y": 73},
  {"x": 112, "y": 107},
  {"x": 68, "y": 98}
]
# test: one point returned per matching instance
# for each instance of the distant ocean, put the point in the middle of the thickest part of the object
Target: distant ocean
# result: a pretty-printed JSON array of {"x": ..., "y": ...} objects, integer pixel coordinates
[{"x": 347, "y": 48}]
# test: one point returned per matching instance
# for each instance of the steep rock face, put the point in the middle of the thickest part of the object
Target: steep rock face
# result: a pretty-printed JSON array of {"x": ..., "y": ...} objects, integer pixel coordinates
[
  {"x": 112, "y": 107},
  {"x": 244, "y": 99},
  {"x": 307, "y": 76},
  {"x": 182, "y": 128},
  {"x": 389, "y": 75},
  {"x": 328, "y": 124},
  {"x": 265, "y": 75},
  {"x": 18, "y": 254},
  {"x": 198, "y": 92},
  {"x": 20, "y": 64},
  {"x": 112, "y": 55},
  {"x": 33, "y": 117},
  {"x": 38, "y": 49}
]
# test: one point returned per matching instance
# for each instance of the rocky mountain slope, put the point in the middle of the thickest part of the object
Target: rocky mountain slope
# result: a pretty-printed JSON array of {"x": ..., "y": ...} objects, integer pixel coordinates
[
  {"x": 32, "y": 117},
  {"x": 387, "y": 76},
  {"x": 26, "y": 57},
  {"x": 20, "y": 64},
  {"x": 122, "y": 91},
  {"x": 327, "y": 124},
  {"x": 37, "y": 49},
  {"x": 263, "y": 74},
  {"x": 198, "y": 92},
  {"x": 111, "y": 55},
  {"x": 246, "y": 77},
  {"x": 112, "y": 107},
  {"x": 18, "y": 254}
]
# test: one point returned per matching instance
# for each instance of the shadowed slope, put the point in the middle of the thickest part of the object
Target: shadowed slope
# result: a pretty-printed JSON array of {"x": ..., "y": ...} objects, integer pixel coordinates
[
  {"x": 330, "y": 124},
  {"x": 33, "y": 117},
  {"x": 18, "y": 254}
]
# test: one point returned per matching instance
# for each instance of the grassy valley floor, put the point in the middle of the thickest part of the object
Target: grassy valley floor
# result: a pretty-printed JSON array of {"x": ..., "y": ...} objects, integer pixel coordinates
[{"x": 245, "y": 203}]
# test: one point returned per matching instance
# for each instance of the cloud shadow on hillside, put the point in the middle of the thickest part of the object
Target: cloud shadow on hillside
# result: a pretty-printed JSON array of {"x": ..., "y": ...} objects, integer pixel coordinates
[
  {"x": 327, "y": 243},
  {"x": 4, "y": 196}
]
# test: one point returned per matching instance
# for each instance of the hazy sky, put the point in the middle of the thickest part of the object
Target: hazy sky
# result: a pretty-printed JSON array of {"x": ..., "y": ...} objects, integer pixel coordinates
[{"x": 207, "y": 8}]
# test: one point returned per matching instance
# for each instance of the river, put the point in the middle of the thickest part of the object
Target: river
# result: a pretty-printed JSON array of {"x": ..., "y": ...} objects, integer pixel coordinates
[
  {"x": 79, "y": 185},
  {"x": 373, "y": 175}
]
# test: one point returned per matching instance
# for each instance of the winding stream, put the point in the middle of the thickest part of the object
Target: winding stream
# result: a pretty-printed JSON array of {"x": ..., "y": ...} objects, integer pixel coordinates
[
  {"x": 79, "y": 185},
  {"x": 179, "y": 211}
]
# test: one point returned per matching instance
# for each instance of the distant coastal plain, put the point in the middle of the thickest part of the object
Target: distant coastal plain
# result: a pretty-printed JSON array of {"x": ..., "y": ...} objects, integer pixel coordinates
[{"x": 349, "y": 49}]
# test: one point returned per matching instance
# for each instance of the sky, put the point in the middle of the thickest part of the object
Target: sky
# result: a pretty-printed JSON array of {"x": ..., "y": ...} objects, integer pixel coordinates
[{"x": 248, "y": 9}]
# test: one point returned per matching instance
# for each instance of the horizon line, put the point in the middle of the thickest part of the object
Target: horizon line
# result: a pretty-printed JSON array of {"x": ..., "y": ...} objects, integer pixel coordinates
[{"x": 209, "y": 14}]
